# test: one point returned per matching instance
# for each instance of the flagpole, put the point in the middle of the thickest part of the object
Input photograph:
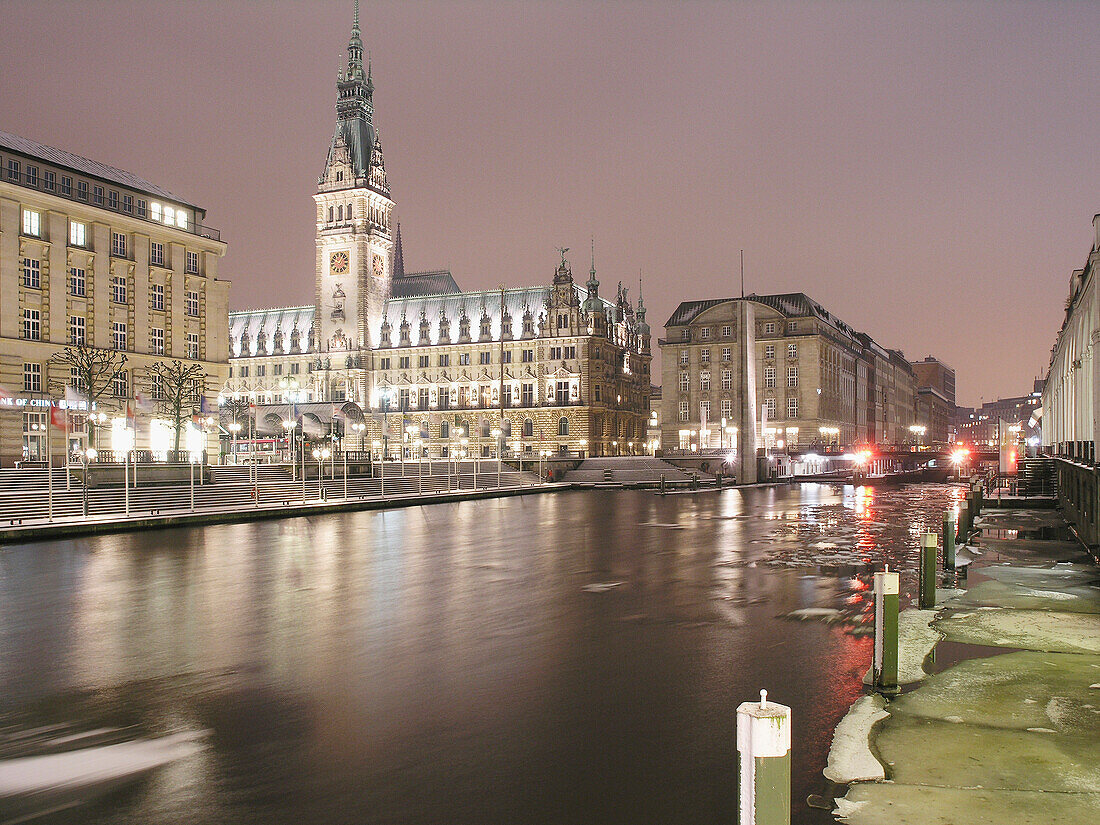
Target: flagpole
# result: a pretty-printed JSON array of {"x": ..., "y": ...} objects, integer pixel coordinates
[
  {"x": 49, "y": 463},
  {"x": 66, "y": 453}
]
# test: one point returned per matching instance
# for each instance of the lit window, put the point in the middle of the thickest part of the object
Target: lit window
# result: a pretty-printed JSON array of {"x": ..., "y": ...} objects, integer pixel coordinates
[
  {"x": 154, "y": 211},
  {"x": 31, "y": 222},
  {"x": 78, "y": 233},
  {"x": 181, "y": 219},
  {"x": 169, "y": 215},
  {"x": 77, "y": 330},
  {"x": 32, "y": 324},
  {"x": 157, "y": 341},
  {"x": 32, "y": 273},
  {"x": 32, "y": 378}
]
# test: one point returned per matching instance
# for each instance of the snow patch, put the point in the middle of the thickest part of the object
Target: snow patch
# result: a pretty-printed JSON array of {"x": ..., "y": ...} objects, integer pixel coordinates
[{"x": 850, "y": 757}]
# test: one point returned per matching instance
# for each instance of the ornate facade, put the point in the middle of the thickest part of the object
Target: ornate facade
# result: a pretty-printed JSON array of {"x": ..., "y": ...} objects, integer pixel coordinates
[{"x": 554, "y": 366}]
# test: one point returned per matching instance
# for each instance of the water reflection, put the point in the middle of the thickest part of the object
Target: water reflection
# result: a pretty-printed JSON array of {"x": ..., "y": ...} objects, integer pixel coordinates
[{"x": 556, "y": 658}]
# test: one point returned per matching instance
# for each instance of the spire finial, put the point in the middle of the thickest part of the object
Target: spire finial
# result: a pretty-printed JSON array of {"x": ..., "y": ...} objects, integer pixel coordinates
[
  {"x": 593, "y": 254},
  {"x": 355, "y": 24}
]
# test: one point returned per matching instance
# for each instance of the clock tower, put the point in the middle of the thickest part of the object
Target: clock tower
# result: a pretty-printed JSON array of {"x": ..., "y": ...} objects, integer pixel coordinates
[{"x": 354, "y": 235}]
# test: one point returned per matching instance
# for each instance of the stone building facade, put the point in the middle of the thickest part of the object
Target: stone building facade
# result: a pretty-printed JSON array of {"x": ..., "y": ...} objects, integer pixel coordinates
[
  {"x": 819, "y": 382},
  {"x": 554, "y": 366},
  {"x": 97, "y": 254}
]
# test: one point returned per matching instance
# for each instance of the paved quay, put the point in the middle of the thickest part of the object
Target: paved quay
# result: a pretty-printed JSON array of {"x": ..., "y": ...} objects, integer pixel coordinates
[{"x": 998, "y": 719}]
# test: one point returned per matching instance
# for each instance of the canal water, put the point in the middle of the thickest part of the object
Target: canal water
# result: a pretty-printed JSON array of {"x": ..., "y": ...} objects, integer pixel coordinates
[{"x": 574, "y": 657}]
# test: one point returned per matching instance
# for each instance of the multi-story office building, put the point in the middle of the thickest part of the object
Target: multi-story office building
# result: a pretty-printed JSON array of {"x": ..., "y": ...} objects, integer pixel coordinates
[
  {"x": 93, "y": 254},
  {"x": 819, "y": 382},
  {"x": 935, "y": 399},
  {"x": 552, "y": 366}
]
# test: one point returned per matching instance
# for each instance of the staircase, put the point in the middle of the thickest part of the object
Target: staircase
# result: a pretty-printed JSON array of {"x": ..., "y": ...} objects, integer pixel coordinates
[{"x": 626, "y": 470}]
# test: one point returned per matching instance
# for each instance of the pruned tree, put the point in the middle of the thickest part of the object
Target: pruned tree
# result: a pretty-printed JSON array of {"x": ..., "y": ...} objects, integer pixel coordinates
[
  {"x": 176, "y": 388},
  {"x": 238, "y": 409},
  {"x": 91, "y": 372}
]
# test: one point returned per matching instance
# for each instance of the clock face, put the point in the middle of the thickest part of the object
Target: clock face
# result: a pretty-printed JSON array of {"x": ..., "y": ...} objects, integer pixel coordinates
[
  {"x": 379, "y": 265},
  {"x": 338, "y": 263}
]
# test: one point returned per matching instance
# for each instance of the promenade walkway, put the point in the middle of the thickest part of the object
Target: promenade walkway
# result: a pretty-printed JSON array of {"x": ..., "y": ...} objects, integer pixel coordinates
[{"x": 1007, "y": 726}]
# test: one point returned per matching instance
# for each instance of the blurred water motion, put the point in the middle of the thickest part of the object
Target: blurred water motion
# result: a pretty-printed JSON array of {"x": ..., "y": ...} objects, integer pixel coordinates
[{"x": 564, "y": 658}]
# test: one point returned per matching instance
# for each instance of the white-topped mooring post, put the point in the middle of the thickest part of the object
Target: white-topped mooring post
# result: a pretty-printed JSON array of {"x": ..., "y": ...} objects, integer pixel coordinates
[
  {"x": 885, "y": 666},
  {"x": 764, "y": 762}
]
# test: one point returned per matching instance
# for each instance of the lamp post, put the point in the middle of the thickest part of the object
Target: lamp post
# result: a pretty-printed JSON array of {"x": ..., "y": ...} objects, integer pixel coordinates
[
  {"x": 235, "y": 429},
  {"x": 465, "y": 451},
  {"x": 500, "y": 450},
  {"x": 321, "y": 455},
  {"x": 288, "y": 425},
  {"x": 584, "y": 446},
  {"x": 419, "y": 465}
]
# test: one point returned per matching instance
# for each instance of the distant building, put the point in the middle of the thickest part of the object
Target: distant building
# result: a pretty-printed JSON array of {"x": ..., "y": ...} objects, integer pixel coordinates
[
  {"x": 819, "y": 382},
  {"x": 90, "y": 253},
  {"x": 550, "y": 366},
  {"x": 935, "y": 399},
  {"x": 986, "y": 425}
]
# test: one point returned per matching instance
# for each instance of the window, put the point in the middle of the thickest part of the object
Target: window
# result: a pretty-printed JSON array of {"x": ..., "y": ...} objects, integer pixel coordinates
[
  {"x": 77, "y": 281},
  {"x": 792, "y": 350},
  {"x": 528, "y": 428},
  {"x": 526, "y": 399},
  {"x": 383, "y": 363},
  {"x": 727, "y": 379},
  {"x": 193, "y": 345},
  {"x": 118, "y": 289},
  {"x": 156, "y": 296},
  {"x": 32, "y": 378},
  {"x": 727, "y": 408},
  {"x": 112, "y": 199},
  {"x": 78, "y": 234},
  {"x": 704, "y": 380},
  {"x": 295, "y": 369},
  {"x": 704, "y": 332},
  {"x": 13, "y": 169},
  {"x": 769, "y": 377},
  {"x": 704, "y": 411},
  {"x": 158, "y": 392},
  {"x": 32, "y": 325},
  {"x": 683, "y": 410},
  {"x": 769, "y": 406},
  {"x": 506, "y": 400},
  {"x": 445, "y": 360},
  {"x": 141, "y": 208},
  {"x": 66, "y": 185},
  {"x": 32, "y": 222},
  {"x": 792, "y": 326},
  {"x": 403, "y": 399},
  {"x": 769, "y": 328},
  {"x": 404, "y": 361},
  {"x": 32, "y": 273},
  {"x": 32, "y": 175},
  {"x": 464, "y": 359},
  {"x": 684, "y": 357},
  {"x": 97, "y": 195},
  {"x": 192, "y": 304},
  {"x": 727, "y": 331},
  {"x": 485, "y": 358},
  {"x": 118, "y": 244},
  {"x": 118, "y": 335},
  {"x": 527, "y": 356},
  {"x": 563, "y": 426},
  {"x": 276, "y": 369},
  {"x": 704, "y": 356},
  {"x": 422, "y": 361},
  {"x": 506, "y": 357},
  {"x": 156, "y": 253},
  {"x": 76, "y": 380},
  {"x": 77, "y": 330},
  {"x": 128, "y": 203},
  {"x": 792, "y": 408},
  {"x": 244, "y": 372},
  {"x": 261, "y": 370},
  {"x": 157, "y": 340},
  {"x": 685, "y": 382},
  {"x": 154, "y": 211},
  {"x": 169, "y": 215},
  {"x": 769, "y": 351},
  {"x": 181, "y": 219},
  {"x": 727, "y": 353},
  {"x": 792, "y": 376},
  {"x": 444, "y": 428},
  {"x": 120, "y": 384},
  {"x": 192, "y": 261},
  {"x": 82, "y": 189}
]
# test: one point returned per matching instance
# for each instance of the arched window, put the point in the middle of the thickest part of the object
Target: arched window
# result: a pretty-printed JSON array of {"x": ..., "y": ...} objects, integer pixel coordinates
[
  {"x": 330, "y": 214},
  {"x": 485, "y": 429},
  {"x": 424, "y": 429},
  {"x": 528, "y": 428},
  {"x": 563, "y": 426},
  {"x": 445, "y": 429},
  {"x": 507, "y": 428}
]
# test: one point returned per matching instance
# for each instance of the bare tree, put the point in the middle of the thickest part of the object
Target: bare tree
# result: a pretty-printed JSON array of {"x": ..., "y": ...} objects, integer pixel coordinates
[
  {"x": 176, "y": 389},
  {"x": 91, "y": 371},
  {"x": 238, "y": 409}
]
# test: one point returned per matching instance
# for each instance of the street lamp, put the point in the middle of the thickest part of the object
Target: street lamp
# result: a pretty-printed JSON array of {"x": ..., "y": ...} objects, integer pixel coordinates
[
  {"x": 584, "y": 444},
  {"x": 321, "y": 456},
  {"x": 289, "y": 426},
  {"x": 543, "y": 454},
  {"x": 235, "y": 428},
  {"x": 500, "y": 450}
]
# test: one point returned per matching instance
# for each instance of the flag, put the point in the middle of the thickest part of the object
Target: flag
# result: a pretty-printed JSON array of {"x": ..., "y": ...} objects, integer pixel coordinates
[
  {"x": 205, "y": 406},
  {"x": 143, "y": 402},
  {"x": 58, "y": 417},
  {"x": 6, "y": 396},
  {"x": 130, "y": 417}
]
